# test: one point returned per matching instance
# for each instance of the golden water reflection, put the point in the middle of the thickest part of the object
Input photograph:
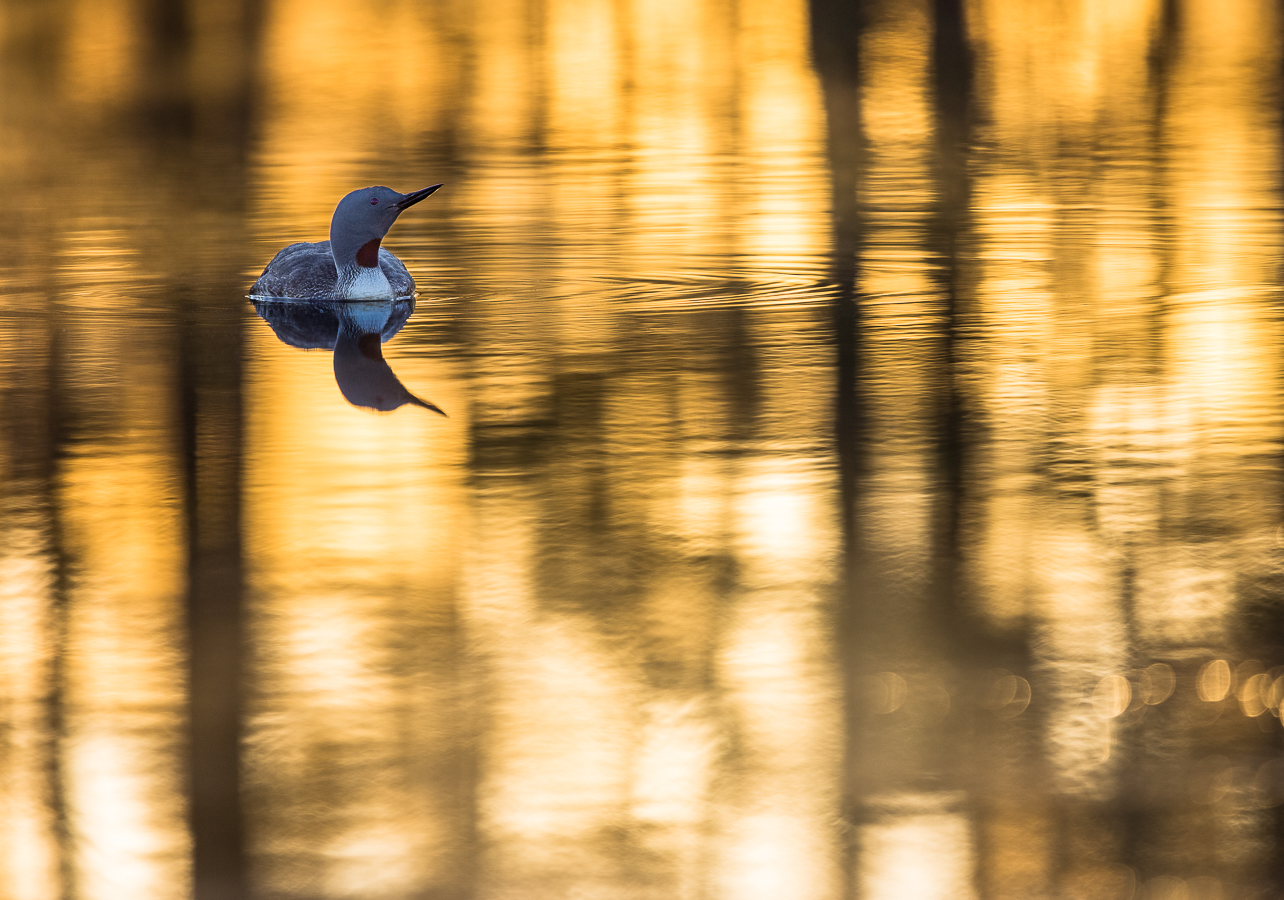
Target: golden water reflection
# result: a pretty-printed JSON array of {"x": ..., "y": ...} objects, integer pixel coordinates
[{"x": 860, "y": 478}]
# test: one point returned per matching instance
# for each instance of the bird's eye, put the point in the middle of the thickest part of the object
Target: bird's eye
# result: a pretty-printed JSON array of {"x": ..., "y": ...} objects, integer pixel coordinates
[{"x": 374, "y": 201}]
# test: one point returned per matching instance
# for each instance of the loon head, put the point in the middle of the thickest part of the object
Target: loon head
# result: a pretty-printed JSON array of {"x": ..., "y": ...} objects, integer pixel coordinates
[{"x": 361, "y": 220}]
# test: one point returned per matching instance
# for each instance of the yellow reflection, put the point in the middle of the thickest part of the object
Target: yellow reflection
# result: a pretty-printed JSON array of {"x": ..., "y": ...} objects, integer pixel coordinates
[
  {"x": 1055, "y": 275},
  {"x": 773, "y": 834},
  {"x": 893, "y": 863},
  {"x": 899, "y": 191},
  {"x": 675, "y": 202},
  {"x": 501, "y": 104},
  {"x": 342, "y": 82},
  {"x": 1127, "y": 373},
  {"x": 583, "y": 37},
  {"x": 123, "y": 665},
  {"x": 562, "y": 719},
  {"x": 784, "y": 518},
  {"x": 28, "y": 848},
  {"x": 101, "y": 51},
  {"x": 1111, "y": 696},
  {"x": 676, "y": 766},
  {"x": 784, "y": 226},
  {"x": 351, "y": 549},
  {"x": 1214, "y": 681},
  {"x": 1221, "y": 340}
]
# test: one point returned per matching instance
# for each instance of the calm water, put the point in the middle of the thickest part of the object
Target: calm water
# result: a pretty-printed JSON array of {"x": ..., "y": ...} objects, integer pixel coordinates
[{"x": 862, "y": 474}]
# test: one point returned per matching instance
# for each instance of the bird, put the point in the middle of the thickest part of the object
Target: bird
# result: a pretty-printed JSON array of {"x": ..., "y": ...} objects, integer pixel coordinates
[{"x": 351, "y": 265}]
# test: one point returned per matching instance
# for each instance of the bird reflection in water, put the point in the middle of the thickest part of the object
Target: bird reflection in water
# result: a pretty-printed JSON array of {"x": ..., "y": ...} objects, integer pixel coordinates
[{"x": 355, "y": 331}]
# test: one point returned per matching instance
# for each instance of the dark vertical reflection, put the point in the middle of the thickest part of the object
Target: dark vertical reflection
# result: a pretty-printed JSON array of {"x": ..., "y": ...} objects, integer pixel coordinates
[
  {"x": 211, "y": 412},
  {"x": 836, "y": 28},
  {"x": 952, "y": 83},
  {"x": 211, "y": 117},
  {"x": 589, "y": 649},
  {"x": 45, "y": 464},
  {"x": 952, "y": 94},
  {"x": 1275, "y": 862},
  {"x": 167, "y": 35},
  {"x": 1262, "y": 628}
]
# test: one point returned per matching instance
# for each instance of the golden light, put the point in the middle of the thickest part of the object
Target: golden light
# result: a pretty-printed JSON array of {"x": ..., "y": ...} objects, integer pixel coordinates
[
  {"x": 1214, "y": 680},
  {"x": 598, "y": 613},
  {"x": 1157, "y": 683},
  {"x": 1111, "y": 696},
  {"x": 125, "y": 685},
  {"x": 28, "y": 840},
  {"x": 894, "y": 866},
  {"x": 1252, "y": 694},
  {"x": 1008, "y": 694}
]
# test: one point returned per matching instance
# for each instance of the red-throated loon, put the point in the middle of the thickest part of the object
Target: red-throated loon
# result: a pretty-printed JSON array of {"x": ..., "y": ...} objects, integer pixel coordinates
[{"x": 351, "y": 265}]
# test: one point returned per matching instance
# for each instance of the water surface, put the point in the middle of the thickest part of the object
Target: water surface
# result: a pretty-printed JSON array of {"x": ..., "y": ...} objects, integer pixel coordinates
[{"x": 861, "y": 475}]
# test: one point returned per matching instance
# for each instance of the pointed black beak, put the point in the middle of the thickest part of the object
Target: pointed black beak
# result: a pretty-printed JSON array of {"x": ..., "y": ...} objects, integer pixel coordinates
[{"x": 408, "y": 200}]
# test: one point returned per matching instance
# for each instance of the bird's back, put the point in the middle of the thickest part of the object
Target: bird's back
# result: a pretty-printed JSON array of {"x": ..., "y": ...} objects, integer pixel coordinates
[{"x": 306, "y": 271}]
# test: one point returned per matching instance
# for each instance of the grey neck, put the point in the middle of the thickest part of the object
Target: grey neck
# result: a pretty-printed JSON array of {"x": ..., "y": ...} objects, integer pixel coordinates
[
  {"x": 354, "y": 248},
  {"x": 345, "y": 254}
]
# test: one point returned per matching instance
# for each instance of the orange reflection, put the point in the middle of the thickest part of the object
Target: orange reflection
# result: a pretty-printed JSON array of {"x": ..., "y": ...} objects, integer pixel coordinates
[
  {"x": 893, "y": 863},
  {"x": 581, "y": 757},
  {"x": 585, "y": 627},
  {"x": 28, "y": 829},
  {"x": 784, "y": 226},
  {"x": 562, "y": 717},
  {"x": 1128, "y": 366},
  {"x": 123, "y": 662},
  {"x": 102, "y": 48},
  {"x": 335, "y": 94},
  {"x": 781, "y": 694},
  {"x": 336, "y": 665}
]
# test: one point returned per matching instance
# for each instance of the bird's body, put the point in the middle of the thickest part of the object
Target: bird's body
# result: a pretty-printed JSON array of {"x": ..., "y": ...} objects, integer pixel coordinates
[
  {"x": 351, "y": 265},
  {"x": 307, "y": 272}
]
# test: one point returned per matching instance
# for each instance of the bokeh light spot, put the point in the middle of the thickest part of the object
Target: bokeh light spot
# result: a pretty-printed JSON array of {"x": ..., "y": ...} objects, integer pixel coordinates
[
  {"x": 1214, "y": 680},
  {"x": 884, "y": 692},
  {"x": 1111, "y": 696},
  {"x": 1156, "y": 683},
  {"x": 1254, "y": 693}
]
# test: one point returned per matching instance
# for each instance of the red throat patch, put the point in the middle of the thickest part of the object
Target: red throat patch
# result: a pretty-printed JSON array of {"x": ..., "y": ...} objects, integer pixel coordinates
[
  {"x": 371, "y": 346},
  {"x": 368, "y": 255}
]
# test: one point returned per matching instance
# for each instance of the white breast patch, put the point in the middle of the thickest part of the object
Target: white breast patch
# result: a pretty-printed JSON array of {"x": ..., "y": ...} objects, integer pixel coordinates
[{"x": 369, "y": 283}]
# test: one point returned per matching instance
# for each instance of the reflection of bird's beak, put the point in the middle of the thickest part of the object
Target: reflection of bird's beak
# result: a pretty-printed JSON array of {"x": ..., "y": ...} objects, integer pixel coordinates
[
  {"x": 365, "y": 378},
  {"x": 419, "y": 401},
  {"x": 409, "y": 200}
]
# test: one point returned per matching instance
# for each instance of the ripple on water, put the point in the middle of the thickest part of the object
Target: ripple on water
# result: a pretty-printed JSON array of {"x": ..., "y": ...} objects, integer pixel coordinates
[{"x": 657, "y": 291}]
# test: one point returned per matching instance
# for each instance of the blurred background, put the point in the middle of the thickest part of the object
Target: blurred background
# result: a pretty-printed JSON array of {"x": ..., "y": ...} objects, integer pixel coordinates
[{"x": 862, "y": 476}]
